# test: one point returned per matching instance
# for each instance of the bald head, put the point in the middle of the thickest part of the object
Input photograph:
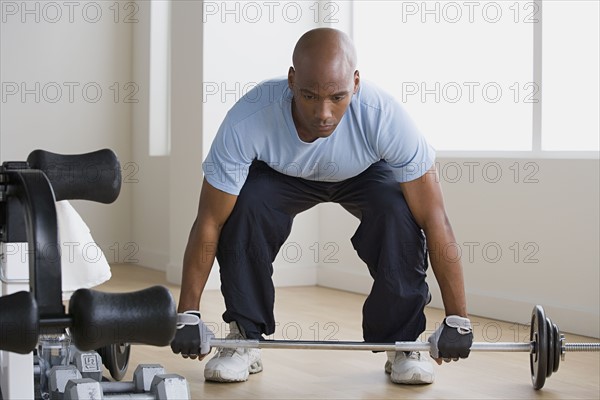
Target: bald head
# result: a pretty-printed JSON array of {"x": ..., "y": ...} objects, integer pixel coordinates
[
  {"x": 323, "y": 80},
  {"x": 325, "y": 47}
]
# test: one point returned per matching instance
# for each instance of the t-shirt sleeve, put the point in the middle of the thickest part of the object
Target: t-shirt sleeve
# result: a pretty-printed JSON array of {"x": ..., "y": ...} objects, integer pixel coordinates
[
  {"x": 228, "y": 160},
  {"x": 401, "y": 144}
]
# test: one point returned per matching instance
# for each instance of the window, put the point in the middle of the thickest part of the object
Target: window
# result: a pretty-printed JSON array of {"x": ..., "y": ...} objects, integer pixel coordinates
[
  {"x": 570, "y": 73},
  {"x": 469, "y": 72}
]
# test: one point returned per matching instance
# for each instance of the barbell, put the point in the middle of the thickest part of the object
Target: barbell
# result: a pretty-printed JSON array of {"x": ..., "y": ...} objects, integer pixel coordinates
[{"x": 546, "y": 346}]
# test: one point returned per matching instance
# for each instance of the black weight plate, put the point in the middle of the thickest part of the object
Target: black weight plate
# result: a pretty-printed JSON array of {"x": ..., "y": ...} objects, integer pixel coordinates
[
  {"x": 115, "y": 358},
  {"x": 538, "y": 358},
  {"x": 557, "y": 346},
  {"x": 551, "y": 347}
]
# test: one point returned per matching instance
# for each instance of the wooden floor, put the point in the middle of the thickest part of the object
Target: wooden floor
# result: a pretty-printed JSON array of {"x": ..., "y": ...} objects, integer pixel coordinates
[{"x": 315, "y": 313}]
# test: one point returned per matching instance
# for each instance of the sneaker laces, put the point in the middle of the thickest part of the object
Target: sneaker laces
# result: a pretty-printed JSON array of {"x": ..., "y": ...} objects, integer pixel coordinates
[
  {"x": 415, "y": 355},
  {"x": 229, "y": 351},
  {"x": 226, "y": 351}
]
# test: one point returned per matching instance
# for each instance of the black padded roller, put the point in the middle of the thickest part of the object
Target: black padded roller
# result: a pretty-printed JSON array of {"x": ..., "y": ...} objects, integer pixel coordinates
[
  {"x": 19, "y": 329},
  {"x": 92, "y": 176},
  {"x": 99, "y": 319}
]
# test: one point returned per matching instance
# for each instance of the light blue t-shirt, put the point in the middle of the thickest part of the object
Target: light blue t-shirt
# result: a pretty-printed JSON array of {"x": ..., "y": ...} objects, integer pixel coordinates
[{"x": 260, "y": 127}]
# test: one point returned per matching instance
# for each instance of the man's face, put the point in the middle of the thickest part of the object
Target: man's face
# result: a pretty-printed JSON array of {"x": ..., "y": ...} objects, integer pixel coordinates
[{"x": 320, "y": 99}]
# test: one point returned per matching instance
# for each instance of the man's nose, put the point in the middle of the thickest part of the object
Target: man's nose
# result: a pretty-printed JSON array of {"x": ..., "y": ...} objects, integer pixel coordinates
[{"x": 323, "y": 110}]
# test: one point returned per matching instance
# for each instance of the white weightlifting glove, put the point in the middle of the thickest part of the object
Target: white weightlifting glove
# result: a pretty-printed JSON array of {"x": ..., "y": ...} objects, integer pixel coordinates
[
  {"x": 452, "y": 340},
  {"x": 192, "y": 338}
]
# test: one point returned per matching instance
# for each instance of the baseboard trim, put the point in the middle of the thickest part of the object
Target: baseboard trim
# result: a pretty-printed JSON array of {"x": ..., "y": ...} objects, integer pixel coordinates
[
  {"x": 343, "y": 279},
  {"x": 295, "y": 275},
  {"x": 150, "y": 259}
]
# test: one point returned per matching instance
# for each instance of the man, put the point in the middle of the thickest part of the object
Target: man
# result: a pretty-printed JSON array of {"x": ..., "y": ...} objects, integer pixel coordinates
[{"x": 322, "y": 136}]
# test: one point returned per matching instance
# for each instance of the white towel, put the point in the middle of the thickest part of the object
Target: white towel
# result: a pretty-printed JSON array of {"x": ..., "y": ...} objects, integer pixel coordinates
[{"x": 83, "y": 262}]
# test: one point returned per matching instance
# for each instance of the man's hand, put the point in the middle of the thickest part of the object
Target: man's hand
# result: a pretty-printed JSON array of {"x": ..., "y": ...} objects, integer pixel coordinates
[
  {"x": 452, "y": 340},
  {"x": 192, "y": 338}
]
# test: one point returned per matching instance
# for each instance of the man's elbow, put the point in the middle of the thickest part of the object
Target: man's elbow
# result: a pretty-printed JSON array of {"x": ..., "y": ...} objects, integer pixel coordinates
[{"x": 436, "y": 222}]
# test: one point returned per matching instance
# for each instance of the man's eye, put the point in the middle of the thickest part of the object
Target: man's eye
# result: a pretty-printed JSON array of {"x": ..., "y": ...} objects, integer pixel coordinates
[
  {"x": 338, "y": 98},
  {"x": 309, "y": 96}
]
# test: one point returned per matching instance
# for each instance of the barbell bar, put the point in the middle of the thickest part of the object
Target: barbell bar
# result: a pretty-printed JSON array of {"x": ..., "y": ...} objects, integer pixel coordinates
[
  {"x": 546, "y": 346},
  {"x": 340, "y": 345}
]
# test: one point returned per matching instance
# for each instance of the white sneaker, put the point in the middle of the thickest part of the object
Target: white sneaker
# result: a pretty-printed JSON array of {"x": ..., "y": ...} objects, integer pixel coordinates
[
  {"x": 409, "y": 367},
  {"x": 233, "y": 365}
]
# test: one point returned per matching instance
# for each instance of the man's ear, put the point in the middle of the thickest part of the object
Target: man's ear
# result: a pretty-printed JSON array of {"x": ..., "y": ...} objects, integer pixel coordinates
[
  {"x": 291, "y": 75},
  {"x": 356, "y": 81}
]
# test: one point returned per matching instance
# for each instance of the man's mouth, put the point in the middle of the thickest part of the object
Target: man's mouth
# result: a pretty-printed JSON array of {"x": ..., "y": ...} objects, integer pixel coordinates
[{"x": 324, "y": 128}]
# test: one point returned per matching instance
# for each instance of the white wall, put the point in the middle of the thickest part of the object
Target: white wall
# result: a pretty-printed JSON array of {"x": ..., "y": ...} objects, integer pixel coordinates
[{"x": 63, "y": 73}]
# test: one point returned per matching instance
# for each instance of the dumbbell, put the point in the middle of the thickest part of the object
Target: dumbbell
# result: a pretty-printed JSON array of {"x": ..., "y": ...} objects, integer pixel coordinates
[
  {"x": 150, "y": 382},
  {"x": 142, "y": 380},
  {"x": 88, "y": 365},
  {"x": 114, "y": 357},
  {"x": 79, "y": 364}
]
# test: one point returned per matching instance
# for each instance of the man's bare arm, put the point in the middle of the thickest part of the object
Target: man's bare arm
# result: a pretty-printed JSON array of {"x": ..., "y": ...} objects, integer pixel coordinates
[
  {"x": 214, "y": 208},
  {"x": 425, "y": 200}
]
